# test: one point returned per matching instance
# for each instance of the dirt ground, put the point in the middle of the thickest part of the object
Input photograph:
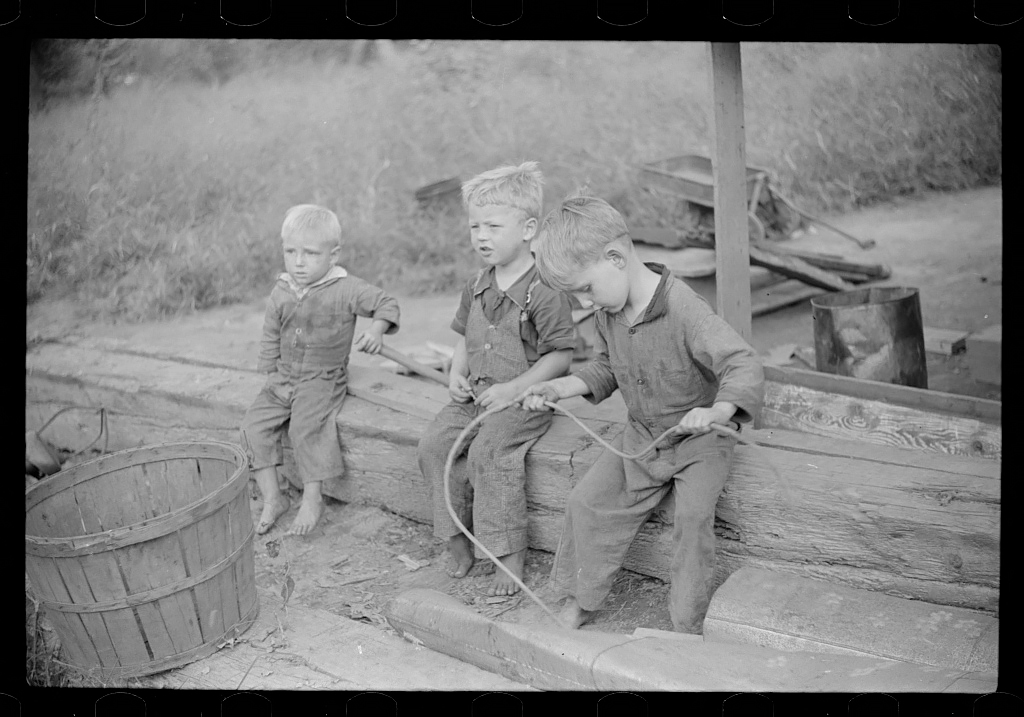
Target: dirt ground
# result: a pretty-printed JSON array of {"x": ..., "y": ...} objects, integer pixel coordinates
[{"x": 948, "y": 246}]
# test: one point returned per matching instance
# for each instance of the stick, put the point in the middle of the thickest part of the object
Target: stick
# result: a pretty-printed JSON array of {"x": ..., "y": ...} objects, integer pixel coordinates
[{"x": 426, "y": 371}]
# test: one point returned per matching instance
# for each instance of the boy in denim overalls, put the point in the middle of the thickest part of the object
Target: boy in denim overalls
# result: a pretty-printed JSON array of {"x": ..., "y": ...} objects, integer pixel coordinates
[
  {"x": 677, "y": 363},
  {"x": 516, "y": 331},
  {"x": 307, "y": 336}
]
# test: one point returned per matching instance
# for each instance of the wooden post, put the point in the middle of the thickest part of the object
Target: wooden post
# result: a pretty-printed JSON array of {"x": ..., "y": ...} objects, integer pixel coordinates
[{"x": 729, "y": 165}]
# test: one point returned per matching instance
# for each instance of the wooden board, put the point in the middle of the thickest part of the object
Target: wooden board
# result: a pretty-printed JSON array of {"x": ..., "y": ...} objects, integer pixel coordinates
[
  {"x": 831, "y": 262},
  {"x": 796, "y": 268},
  {"x": 772, "y": 298},
  {"x": 947, "y": 342},
  {"x": 688, "y": 263},
  {"x": 822, "y": 413},
  {"x": 918, "y": 398},
  {"x": 881, "y": 518}
]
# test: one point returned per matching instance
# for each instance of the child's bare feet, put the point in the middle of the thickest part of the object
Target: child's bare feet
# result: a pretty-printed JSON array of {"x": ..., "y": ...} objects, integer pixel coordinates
[
  {"x": 573, "y": 615},
  {"x": 460, "y": 558},
  {"x": 502, "y": 584},
  {"x": 273, "y": 509},
  {"x": 309, "y": 512}
]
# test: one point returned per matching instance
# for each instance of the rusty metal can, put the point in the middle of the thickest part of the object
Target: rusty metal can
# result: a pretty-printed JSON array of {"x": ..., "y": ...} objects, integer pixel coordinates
[{"x": 875, "y": 334}]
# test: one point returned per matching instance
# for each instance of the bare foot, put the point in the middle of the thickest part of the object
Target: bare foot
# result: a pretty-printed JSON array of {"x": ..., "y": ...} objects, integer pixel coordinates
[
  {"x": 272, "y": 510},
  {"x": 309, "y": 514},
  {"x": 502, "y": 584},
  {"x": 460, "y": 559},
  {"x": 573, "y": 616}
]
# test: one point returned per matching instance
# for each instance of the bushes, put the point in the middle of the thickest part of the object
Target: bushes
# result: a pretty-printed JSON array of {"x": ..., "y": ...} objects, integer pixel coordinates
[{"x": 167, "y": 195}]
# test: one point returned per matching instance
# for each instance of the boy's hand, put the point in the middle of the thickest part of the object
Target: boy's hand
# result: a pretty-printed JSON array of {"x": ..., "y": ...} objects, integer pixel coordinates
[
  {"x": 699, "y": 420},
  {"x": 460, "y": 389},
  {"x": 369, "y": 342},
  {"x": 538, "y": 393},
  {"x": 496, "y": 395}
]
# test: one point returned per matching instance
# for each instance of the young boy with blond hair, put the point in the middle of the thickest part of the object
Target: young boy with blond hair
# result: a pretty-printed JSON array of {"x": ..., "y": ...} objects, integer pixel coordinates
[
  {"x": 677, "y": 363},
  {"x": 307, "y": 337},
  {"x": 516, "y": 331}
]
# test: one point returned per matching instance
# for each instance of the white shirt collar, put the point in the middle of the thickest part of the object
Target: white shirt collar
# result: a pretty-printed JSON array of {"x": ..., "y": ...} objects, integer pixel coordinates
[{"x": 335, "y": 272}]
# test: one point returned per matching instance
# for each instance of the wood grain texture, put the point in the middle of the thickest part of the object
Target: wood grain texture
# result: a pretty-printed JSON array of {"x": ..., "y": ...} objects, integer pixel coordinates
[
  {"x": 918, "y": 398},
  {"x": 831, "y": 415},
  {"x": 732, "y": 244}
]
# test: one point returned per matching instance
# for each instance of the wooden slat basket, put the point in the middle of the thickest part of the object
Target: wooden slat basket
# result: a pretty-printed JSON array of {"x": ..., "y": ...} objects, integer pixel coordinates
[{"x": 143, "y": 559}]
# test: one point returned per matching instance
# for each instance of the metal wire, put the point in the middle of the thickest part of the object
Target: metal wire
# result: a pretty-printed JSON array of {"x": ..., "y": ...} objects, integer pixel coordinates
[{"x": 456, "y": 447}]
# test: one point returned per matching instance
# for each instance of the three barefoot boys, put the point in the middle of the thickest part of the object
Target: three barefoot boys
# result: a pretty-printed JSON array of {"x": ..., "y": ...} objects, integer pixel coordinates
[{"x": 674, "y": 360}]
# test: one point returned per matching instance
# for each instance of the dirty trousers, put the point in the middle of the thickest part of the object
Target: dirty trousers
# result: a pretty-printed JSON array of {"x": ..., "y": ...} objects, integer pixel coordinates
[
  {"x": 606, "y": 509},
  {"x": 307, "y": 409},
  {"x": 488, "y": 480}
]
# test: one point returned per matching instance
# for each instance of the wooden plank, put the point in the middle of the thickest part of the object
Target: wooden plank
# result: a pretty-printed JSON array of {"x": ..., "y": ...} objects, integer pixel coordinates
[
  {"x": 772, "y": 298},
  {"x": 922, "y": 399},
  {"x": 831, "y": 262},
  {"x": 947, "y": 342},
  {"x": 149, "y": 565},
  {"x": 104, "y": 576},
  {"x": 984, "y": 354},
  {"x": 93, "y": 625},
  {"x": 732, "y": 250},
  {"x": 660, "y": 237},
  {"x": 796, "y": 268},
  {"x": 823, "y": 413},
  {"x": 208, "y": 594},
  {"x": 244, "y": 569},
  {"x": 942, "y": 522},
  {"x": 192, "y": 619}
]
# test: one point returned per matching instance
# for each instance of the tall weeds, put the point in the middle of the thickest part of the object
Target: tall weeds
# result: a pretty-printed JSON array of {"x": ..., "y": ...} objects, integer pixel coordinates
[{"x": 166, "y": 196}]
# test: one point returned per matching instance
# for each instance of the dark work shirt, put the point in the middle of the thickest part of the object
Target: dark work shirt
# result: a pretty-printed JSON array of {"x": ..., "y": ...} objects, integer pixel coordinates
[
  {"x": 549, "y": 324},
  {"x": 679, "y": 355}
]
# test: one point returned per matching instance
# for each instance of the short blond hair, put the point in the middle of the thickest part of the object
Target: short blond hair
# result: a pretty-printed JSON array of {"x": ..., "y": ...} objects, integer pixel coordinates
[
  {"x": 573, "y": 237},
  {"x": 521, "y": 187},
  {"x": 312, "y": 219}
]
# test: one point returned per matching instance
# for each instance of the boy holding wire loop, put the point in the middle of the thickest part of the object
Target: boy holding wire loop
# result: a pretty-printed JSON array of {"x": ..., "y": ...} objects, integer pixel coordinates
[
  {"x": 516, "y": 331},
  {"x": 677, "y": 363}
]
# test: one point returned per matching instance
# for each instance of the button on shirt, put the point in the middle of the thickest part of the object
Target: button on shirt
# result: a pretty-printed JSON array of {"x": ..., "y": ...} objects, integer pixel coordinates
[
  {"x": 678, "y": 356},
  {"x": 308, "y": 330},
  {"x": 549, "y": 324}
]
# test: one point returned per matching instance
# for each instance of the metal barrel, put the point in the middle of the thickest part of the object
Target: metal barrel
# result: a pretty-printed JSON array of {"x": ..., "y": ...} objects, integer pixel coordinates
[{"x": 874, "y": 334}]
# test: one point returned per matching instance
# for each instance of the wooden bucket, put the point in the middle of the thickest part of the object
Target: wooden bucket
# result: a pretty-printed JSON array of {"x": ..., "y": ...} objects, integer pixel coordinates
[{"x": 143, "y": 559}]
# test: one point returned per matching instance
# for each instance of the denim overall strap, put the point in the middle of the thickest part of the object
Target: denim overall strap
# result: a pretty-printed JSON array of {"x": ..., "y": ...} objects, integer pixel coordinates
[{"x": 496, "y": 352}]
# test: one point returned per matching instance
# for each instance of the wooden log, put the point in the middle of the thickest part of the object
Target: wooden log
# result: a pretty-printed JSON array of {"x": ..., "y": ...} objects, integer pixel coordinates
[
  {"x": 905, "y": 521},
  {"x": 796, "y": 268}
]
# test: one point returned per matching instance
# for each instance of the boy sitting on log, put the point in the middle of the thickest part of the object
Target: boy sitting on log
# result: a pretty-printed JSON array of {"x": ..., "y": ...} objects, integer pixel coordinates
[
  {"x": 307, "y": 336},
  {"x": 516, "y": 331},
  {"x": 677, "y": 363}
]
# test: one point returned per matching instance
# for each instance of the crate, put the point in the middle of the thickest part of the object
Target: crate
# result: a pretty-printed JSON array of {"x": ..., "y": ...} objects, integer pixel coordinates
[
  {"x": 690, "y": 177},
  {"x": 143, "y": 559}
]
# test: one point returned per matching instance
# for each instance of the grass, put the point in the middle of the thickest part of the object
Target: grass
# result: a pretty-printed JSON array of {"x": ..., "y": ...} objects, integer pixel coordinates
[{"x": 167, "y": 196}]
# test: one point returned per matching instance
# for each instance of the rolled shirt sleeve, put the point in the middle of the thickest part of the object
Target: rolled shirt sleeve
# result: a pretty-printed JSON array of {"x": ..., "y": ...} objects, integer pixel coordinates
[
  {"x": 462, "y": 313},
  {"x": 551, "y": 316},
  {"x": 373, "y": 302}
]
